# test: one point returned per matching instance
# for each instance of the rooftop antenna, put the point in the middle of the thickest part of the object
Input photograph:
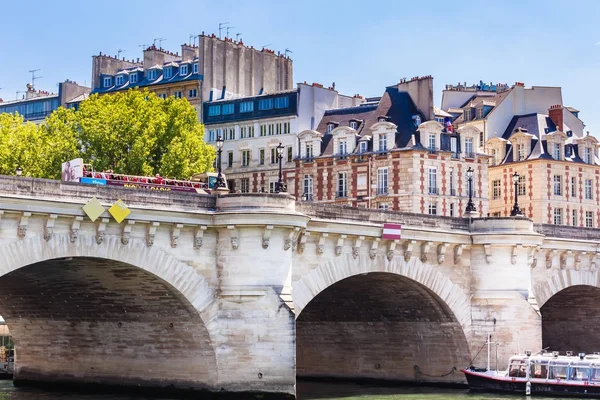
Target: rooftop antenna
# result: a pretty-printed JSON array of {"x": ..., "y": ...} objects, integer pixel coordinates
[
  {"x": 227, "y": 30},
  {"x": 33, "y": 77},
  {"x": 191, "y": 38},
  {"x": 143, "y": 46},
  {"x": 17, "y": 95},
  {"x": 119, "y": 53},
  {"x": 237, "y": 37},
  {"x": 221, "y": 26},
  {"x": 265, "y": 45},
  {"x": 287, "y": 51},
  {"x": 160, "y": 40}
]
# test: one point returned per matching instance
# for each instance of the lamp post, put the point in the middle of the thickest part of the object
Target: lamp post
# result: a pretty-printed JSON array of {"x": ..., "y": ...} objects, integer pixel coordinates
[
  {"x": 220, "y": 183},
  {"x": 280, "y": 187},
  {"x": 19, "y": 171},
  {"x": 516, "y": 211},
  {"x": 470, "y": 206}
]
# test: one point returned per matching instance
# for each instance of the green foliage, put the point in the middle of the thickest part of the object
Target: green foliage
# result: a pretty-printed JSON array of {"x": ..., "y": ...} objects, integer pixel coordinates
[{"x": 133, "y": 132}]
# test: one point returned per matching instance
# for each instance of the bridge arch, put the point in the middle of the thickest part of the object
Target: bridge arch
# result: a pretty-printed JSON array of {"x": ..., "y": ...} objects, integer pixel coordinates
[
  {"x": 563, "y": 279},
  {"x": 119, "y": 302}
]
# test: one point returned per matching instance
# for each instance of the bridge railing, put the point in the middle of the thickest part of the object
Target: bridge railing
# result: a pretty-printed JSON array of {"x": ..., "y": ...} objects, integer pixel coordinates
[{"x": 568, "y": 232}]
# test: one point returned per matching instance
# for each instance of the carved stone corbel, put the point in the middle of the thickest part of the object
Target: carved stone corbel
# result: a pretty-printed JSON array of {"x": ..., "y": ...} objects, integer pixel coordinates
[
  {"x": 513, "y": 254},
  {"x": 151, "y": 233},
  {"x": 408, "y": 249},
  {"x": 126, "y": 231},
  {"x": 175, "y": 231},
  {"x": 234, "y": 237},
  {"x": 49, "y": 226},
  {"x": 564, "y": 258},
  {"x": 425, "y": 246},
  {"x": 441, "y": 252},
  {"x": 534, "y": 256},
  {"x": 577, "y": 263},
  {"x": 356, "y": 247},
  {"x": 549, "y": 257},
  {"x": 458, "y": 250},
  {"x": 321, "y": 243},
  {"x": 100, "y": 229},
  {"x": 292, "y": 237},
  {"x": 23, "y": 221},
  {"x": 267, "y": 236},
  {"x": 199, "y": 236},
  {"x": 302, "y": 242},
  {"x": 340, "y": 245},
  {"x": 391, "y": 250},
  {"x": 487, "y": 248},
  {"x": 593, "y": 257},
  {"x": 75, "y": 224},
  {"x": 373, "y": 250}
]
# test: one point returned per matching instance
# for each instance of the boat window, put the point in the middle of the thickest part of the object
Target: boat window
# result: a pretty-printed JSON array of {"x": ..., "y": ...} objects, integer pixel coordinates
[
  {"x": 539, "y": 371},
  {"x": 517, "y": 369},
  {"x": 558, "y": 372},
  {"x": 595, "y": 375},
  {"x": 579, "y": 374}
]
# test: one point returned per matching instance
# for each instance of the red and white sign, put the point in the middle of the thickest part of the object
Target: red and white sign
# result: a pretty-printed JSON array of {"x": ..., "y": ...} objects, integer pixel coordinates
[{"x": 391, "y": 231}]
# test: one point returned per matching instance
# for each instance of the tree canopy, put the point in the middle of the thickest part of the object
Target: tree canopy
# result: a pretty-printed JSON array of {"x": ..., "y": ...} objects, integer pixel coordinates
[{"x": 134, "y": 132}]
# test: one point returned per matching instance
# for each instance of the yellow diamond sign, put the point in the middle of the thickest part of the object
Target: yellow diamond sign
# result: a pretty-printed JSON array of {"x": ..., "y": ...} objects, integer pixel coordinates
[
  {"x": 119, "y": 211},
  {"x": 93, "y": 209}
]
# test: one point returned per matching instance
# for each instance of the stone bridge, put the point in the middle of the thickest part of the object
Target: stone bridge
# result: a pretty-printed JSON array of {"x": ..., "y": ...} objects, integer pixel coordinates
[{"x": 246, "y": 292}]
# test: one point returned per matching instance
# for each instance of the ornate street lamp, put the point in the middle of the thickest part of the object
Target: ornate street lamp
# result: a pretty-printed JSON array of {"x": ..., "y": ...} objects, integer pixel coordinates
[
  {"x": 516, "y": 211},
  {"x": 470, "y": 206},
  {"x": 220, "y": 183},
  {"x": 280, "y": 186},
  {"x": 19, "y": 171}
]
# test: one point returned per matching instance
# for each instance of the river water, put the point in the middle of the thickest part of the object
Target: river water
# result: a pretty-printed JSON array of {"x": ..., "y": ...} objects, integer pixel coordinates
[{"x": 306, "y": 391}]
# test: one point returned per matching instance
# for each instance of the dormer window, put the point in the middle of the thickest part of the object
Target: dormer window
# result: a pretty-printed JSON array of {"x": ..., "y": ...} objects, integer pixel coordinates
[
  {"x": 195, "y": 68},
  {"x": 383, "y": 142},
  {"x": 133, "y": 78},
  {"x": 587, "y": 155},
  {"x": 342, "y": 148},
  {"x": 120, "y": 80},
  {"x": 520, "y": 152},
  {"x": 107, "y": 81},
  {"x": 168, "y": 73},
  {"x": 467, "y": 114},
  {"x": 183, "y": 69},
  {"x": 362, "y": 147},
  {"x": 382, "y": 119},
  {"x": 353, "y": 124},
  {"x": 556, "y": 151},
  {"x": 152, "y": 74},
  {"x": 431, "y": 141},
  {"x": 329, "y": 128}
]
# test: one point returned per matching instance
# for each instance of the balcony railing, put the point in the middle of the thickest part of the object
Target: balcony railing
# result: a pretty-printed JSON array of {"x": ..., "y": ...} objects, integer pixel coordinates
[
  {"x": 433, "y": 190},
  {"x": 469, "y": 154},
  {"x": 432, "y": 150},
  {"x": 341, "y": 194},
  {"x": 307, "y": 197},
  {"x": 382, "y": 191}
]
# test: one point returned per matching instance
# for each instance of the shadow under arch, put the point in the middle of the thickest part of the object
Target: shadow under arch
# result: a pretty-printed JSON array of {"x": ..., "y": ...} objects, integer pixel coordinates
[
  {"x": 112, "y": 314},
  {"x": 381, "y": 323}
]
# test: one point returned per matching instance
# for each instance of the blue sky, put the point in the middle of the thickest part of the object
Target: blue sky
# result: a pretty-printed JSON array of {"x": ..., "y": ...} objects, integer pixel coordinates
[{"x": 362, "y": 46}]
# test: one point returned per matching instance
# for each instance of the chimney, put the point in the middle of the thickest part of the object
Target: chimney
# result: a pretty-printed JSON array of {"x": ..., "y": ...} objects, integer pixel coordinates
[{"x": 556, "y": 115}]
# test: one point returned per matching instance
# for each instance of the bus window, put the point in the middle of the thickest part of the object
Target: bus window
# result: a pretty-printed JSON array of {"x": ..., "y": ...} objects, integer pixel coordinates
[
  {"x": 579, "y": 374},
  {"x": 558, "y": 372},
  {"x": 539, "y": 371},
  {"x": 595, "y": 375},
  {"x": 517, "y": 369}
]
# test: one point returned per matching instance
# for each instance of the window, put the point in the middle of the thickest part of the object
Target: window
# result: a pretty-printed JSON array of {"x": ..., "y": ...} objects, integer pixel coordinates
[
  {"x": 192, "y": 93},
  {"x": 120, "y": 80},
  {"x": 342, "y": 187},
  {"x": 432, "y": 209},
  {"x": 469, "y": 147},
  {"x": 557, "y": 185},
  {"x": 431, "y": 141},
  {"x": 107, "y": 82},
  {"x": 574, "y": 217},
  {"x": 133, "y": 78},
  {"x": 432, "y": 179},
  {"x": 353, "y": 124},
  {"x": 467, "y": 115},
  {"x": 495, "y": 157},
  {"x": 278, "y": 129},
  {"x": 309, "y": 150},
  {"x": 451, "y": 183},
  {"x": 246, "y": 106},
  {"x": 588, "y": 155},
  {"x": 229, "y": 159},
  {"x": 272, "y": 184},
  {"x": 183, "y": 69},
  {"x": 168, "y": 72},
  {"x": 261, "y": 157},
  {"x": 152, "y": 74},
  {"x": 556, "y": 151},
  {"x": 243, "y": 132},
  {"x": 589, "y": 219},
  {"x": 454, "y": 146},
  {"x": 382, "y": 181},
  {"x": 307, "y": 187},
  {"x": 245, "y": 158},
  {"x": 162, "y": 95},
  {"x": 558, "y": 216},
  {"x": 383, "y": 206},
  {"x": 362, "y": 147},
  {"x": 229, "y": 134},
  {"x": 195, "y": 68},
  {"x": 282, "y": 102},
  {"x": 286, "y": 127},
  {"x": 274, "y": 159},
  {"x": 588, "y": 189},
  {"x": 342, "y": 148},
  {"x": 480, "y": 113},
  {"x": 520, "y": 152},
  {"x": 250, "y": 131},
  {"x": 329, "y": 128},
  {"x": 496, "y": 189},
  {"x": 383, "y": 142},
  {"x": 271, "y": 129},
  {"x": 573, "y": 186},
  {"x": 214, "y": 110},
  {"x": 452, "y": 209},
  {"x": 521, "y": 185},
  {"x": 245, "y": 186},
  {"x": 227, "y": 109},
  {"x": 177, "y": 94},
  {"x": 290, "y": 154},
  {"x": 263, "y": 130},
  {"x": 481, "y": 139},
  {"x": 265, "y": 104},
  {"x": 212, "y": 135}
]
